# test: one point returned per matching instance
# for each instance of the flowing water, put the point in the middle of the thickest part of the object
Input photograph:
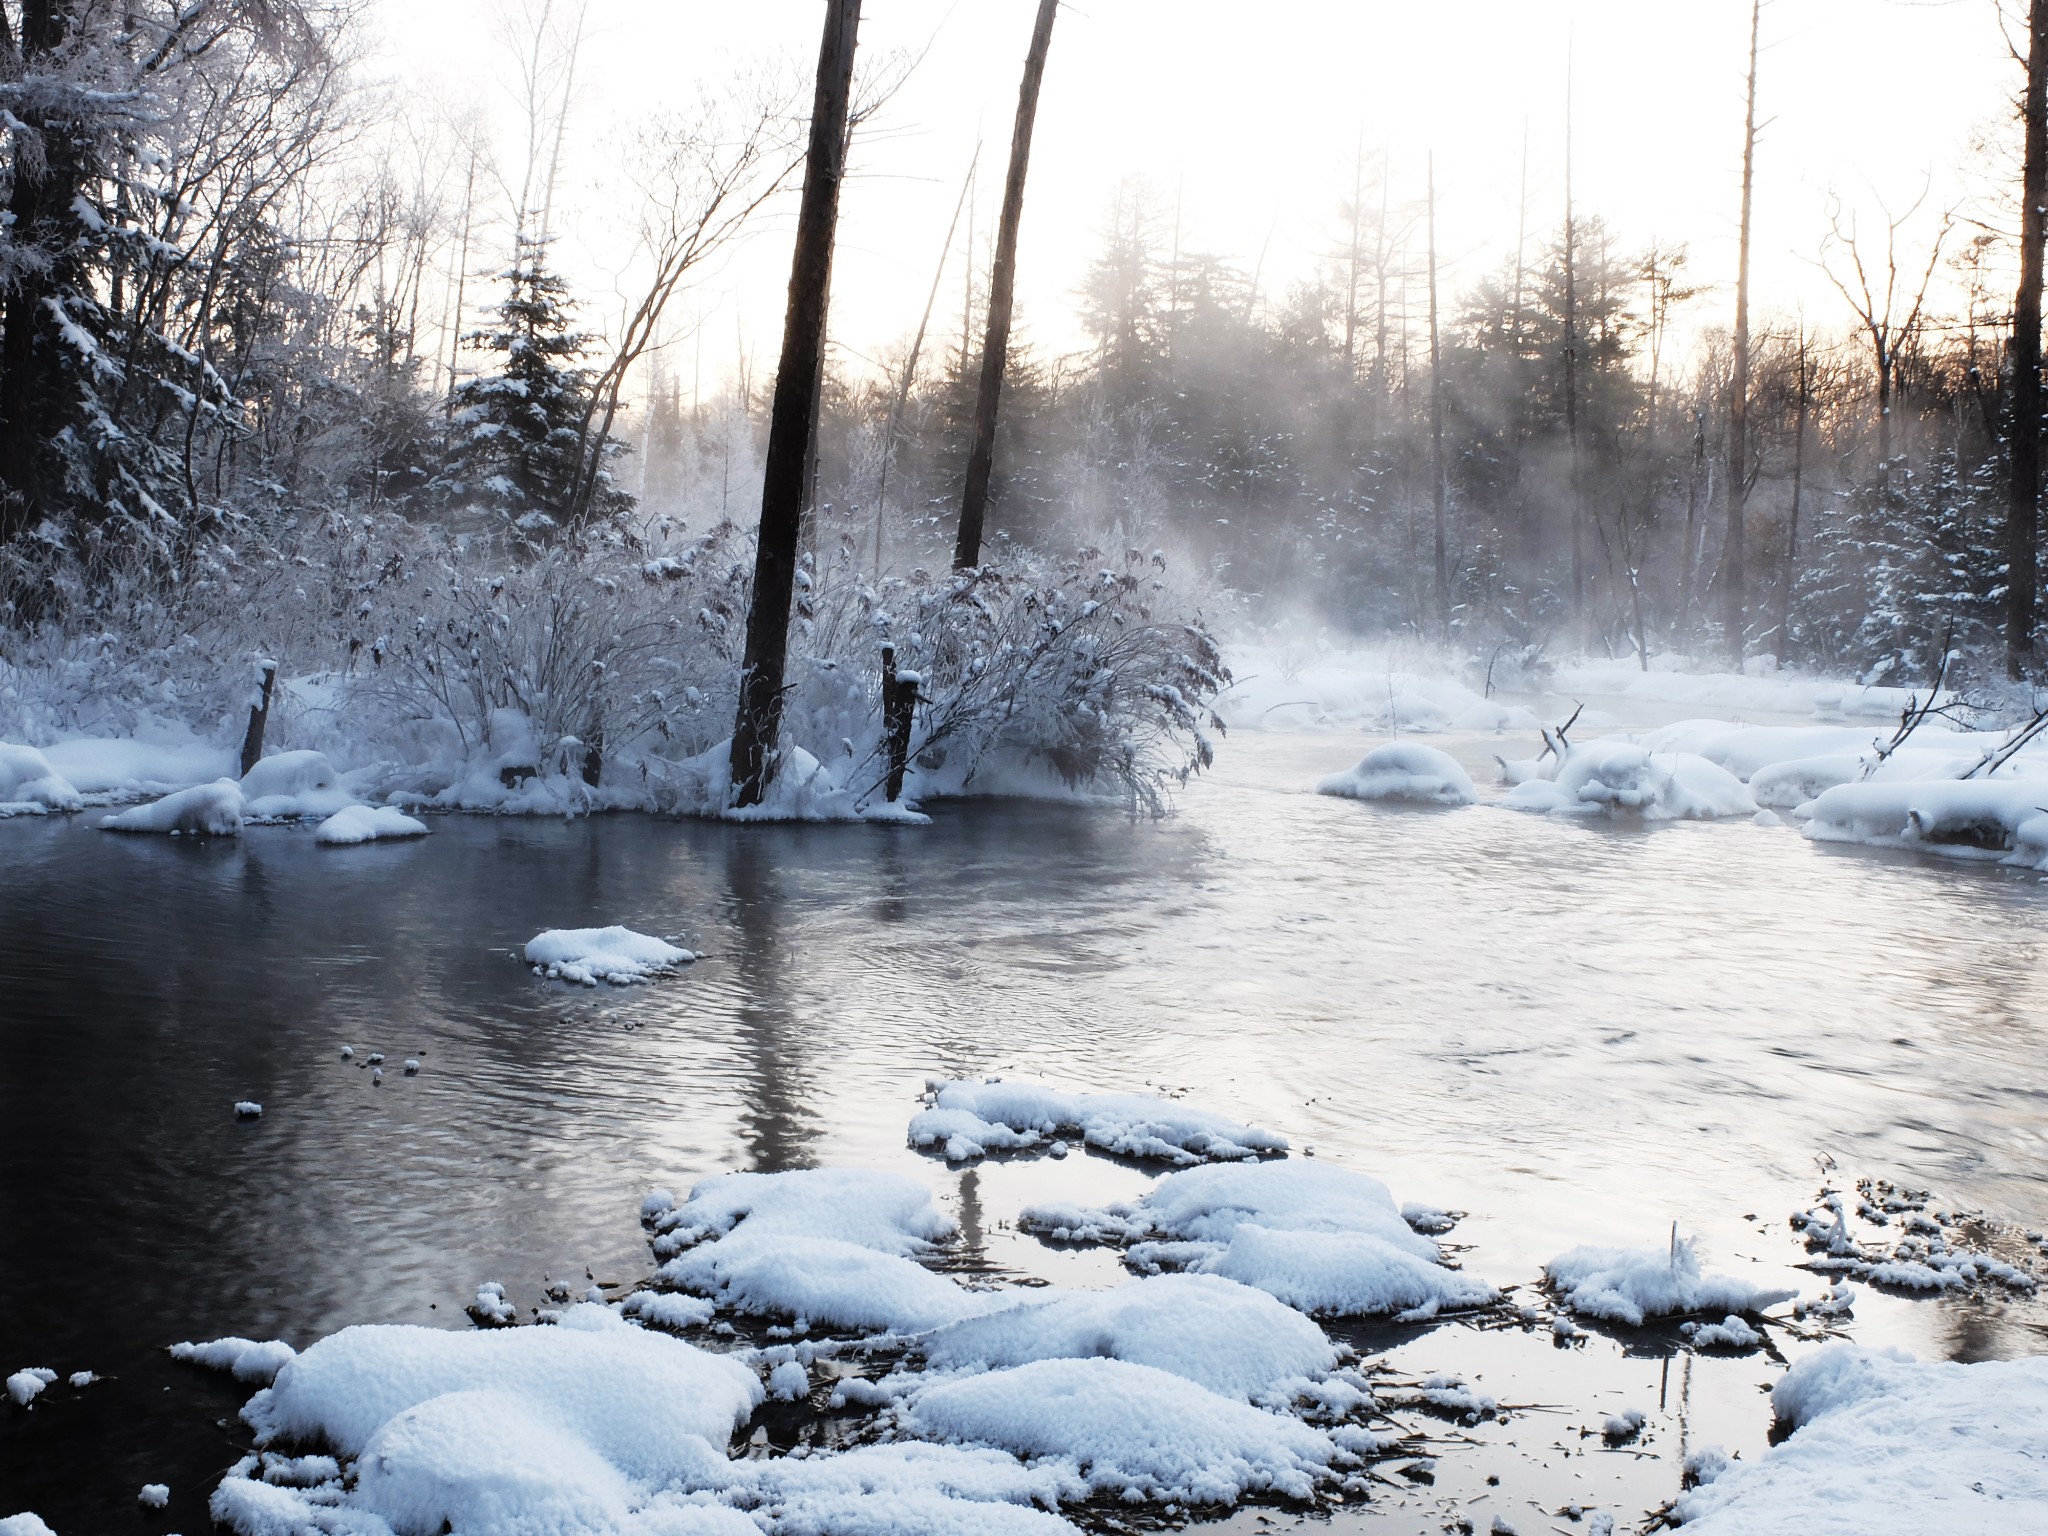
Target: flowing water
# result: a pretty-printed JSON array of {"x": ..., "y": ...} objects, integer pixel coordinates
[{"x": 1574, "y": 1032}]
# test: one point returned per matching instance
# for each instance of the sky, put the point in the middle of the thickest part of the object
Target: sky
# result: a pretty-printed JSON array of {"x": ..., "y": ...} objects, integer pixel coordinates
[{"x": 1251, "y": 119}]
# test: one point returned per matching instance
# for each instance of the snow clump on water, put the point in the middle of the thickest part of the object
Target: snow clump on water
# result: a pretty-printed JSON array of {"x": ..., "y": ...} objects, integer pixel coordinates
[
  {"x": 24, "y": 1524},
  {"x": 289, "y": 786},
  {"x": 968, "y": 1119},
  {"x": 1317, "y": 1237},
  {"x": 1404, "y": 770},
  {"x": 25, "y": 1384},
  {"x": 590, "y": 955},
  {"x": 1630, "y": 1285},
  {"x": 367, "y": 824},
  {"x": 30, "y": 786},
  {"x": 245, "y": 1359},
  {"x": 205, "y": 810},
  {"x": 1611, "y": 776},
  {"x": 1961, "y": 1446}
]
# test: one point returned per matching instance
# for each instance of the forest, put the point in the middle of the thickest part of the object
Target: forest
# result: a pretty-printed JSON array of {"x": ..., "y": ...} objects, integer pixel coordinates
[{"x": 278, "y": 380}]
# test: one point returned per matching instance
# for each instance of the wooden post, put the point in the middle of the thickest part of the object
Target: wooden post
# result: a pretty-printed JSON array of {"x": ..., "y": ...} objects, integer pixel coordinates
[
  {"x": 758, "y": 724},
  {"x": 995, "y": 349},
  {"x": 899, "y": 711},
  {"x": 259, "y": 717}
]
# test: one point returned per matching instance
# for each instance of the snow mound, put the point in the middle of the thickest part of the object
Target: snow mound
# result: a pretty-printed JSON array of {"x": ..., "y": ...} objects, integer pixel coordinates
[
  {"x": 1885, "y": 1443},
  {"x": 246, "y": 1359},
  {"x": 908, "y": 1489},
  {"x": 24, "y": 1524},
  {"x": 968, "y": 1118},
  {"x": 367, "y": 824},
  {"x": 592, "y": 1386},
  {"x": 28, "y": 783},
  {"x": 1404, "y": 770},
  {"x": 292, "y": 785},
  {"x": 1611, "y": 775},
  {"x": 2003, "y": 818},
  {"x": 1313, "y": 1235},
  {"x": 1627, "y": 1285},
  {"x": 827, "y": 1245},
  {"x": 25, "y": 1384},
  {"x": 1223, "y": 1336},
  {"x": 205, "y": 810},
  {"x": 1132, "y": 1429},
  {"x": 590, "y": 955}
]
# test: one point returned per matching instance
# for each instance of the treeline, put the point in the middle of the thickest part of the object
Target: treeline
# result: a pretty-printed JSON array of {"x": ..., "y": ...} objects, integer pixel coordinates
[{"x": 1288, "y": 441}]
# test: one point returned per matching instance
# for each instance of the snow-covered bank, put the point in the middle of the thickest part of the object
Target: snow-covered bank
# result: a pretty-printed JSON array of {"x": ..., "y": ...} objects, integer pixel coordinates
[{"x": 1881, "y": 1442}]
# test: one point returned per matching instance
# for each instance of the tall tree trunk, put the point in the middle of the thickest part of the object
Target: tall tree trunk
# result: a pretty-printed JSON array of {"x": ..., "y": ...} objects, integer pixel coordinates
[
  {"x": 1734, "y": 557},
  {"x": 2022, "y": 519},
  {"x": 1571, "y": 379},
  {"x": 995, "y": 350},
  {"x": 1792, "y": 521},
  {"x": 1436, "y": 424},
  {"x": 759, "y": 722}
]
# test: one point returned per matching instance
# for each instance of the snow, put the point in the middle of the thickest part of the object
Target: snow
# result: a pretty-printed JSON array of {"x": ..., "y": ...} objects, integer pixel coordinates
[
  {"x": 294, "y": 785},
  {"x": 24, "y": 1524},
  {"x": 1612, "y": 775},
  {"x": 1130, "y": 1428},
  {"x": 1730, "y": 1333},
  {"x": 367, "y": 824},
  {"x": 615, "y": 954},
  {"x": 1314, "y": 1235},
  {"x": 205, "y": 810},
  {"x": 1225, "y": 1337},
  {"x": 25, "y": 1384},
  {"x": 135, "y": 768},
  {"x": 968, "y": 1118},
  {"x": 2002, "y": 818},
  {"x": 154, "y": 1495},
  {"x": 28, "y": 783},
  {"x": 246, "y": 1359},
  {"x": 248, "y": 1109},
  {"x": 1282, "y": 686},
  {"x": 1882, "y": 1442},
  {"x": 1404, "y": 770},
  {"x": 1628, "y": 1285},
  {"x": 884, "y": 1211}
]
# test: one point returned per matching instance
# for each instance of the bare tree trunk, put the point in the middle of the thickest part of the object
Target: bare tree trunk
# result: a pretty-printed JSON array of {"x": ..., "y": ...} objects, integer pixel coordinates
[
  {"x": 995, "y": 348},
  {"x": 1571, "y": 378},
  {"x": 758, "y": 724},
  {"x": 1733, "y": 555},
  {"x": 902, "y": 400},
  {"x": 2022, "y": 519},
  {"x": 1436, "y": 423},
  {"x": 1792, "y": 522}
]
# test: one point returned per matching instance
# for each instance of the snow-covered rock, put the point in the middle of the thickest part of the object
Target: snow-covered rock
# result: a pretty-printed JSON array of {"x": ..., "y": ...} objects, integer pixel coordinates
[
  {"x": 2003, "y": 818},
  {"x": 1882, "y": 1442},
  {"x": 1404, "y": 770},
  {"x": 293, "y": 785},
  {"x": 969, "y": 1118},
  {"x": 1314, "y": 1235},
  {"x": 29, "y": 783},
  {"x": 1130, "y": 1428},
  {"x": 245, "y": 1359},
  {"x": 1613, "y": 776},
  {"x": 26, "y": 1523},
  {"x": 205, "y": 810},
  {"x": 1628, "y": 1285},
  {"x": 367, "y": 824},
  {"x": 1228, "y": 1338},
  {"x": 590, "y": 955}
]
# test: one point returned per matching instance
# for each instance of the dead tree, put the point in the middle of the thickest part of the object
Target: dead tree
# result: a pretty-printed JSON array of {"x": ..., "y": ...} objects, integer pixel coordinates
[
  {"x": 1734, "y": 557},
  {"x": 995, "y": 350},
  {"x": 2022, "y": 518},
  {"x": 1876, "y": 299},
  {"x": 758, "y": 723},
  {"x": 1436, "y": 423}
]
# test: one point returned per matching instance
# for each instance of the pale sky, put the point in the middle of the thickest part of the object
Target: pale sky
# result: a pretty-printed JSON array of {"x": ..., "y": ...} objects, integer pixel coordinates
[{"x": 1252, "y": 113}]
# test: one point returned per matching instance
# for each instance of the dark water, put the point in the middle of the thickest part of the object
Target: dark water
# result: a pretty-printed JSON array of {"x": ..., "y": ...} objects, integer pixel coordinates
[{"x": 1576, "y": 1033}]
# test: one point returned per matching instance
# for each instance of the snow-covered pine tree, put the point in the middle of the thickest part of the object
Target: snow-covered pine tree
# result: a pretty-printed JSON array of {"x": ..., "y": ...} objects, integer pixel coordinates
[{"x": 518, "y": 431}]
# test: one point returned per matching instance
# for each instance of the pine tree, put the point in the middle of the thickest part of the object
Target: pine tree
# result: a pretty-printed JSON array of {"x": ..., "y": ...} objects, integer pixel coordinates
[{"x": 518, "y": 432}]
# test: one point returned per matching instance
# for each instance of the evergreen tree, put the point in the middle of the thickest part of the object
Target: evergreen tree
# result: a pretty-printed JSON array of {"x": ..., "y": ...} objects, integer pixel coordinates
[{"x": 518, "y": 452}]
